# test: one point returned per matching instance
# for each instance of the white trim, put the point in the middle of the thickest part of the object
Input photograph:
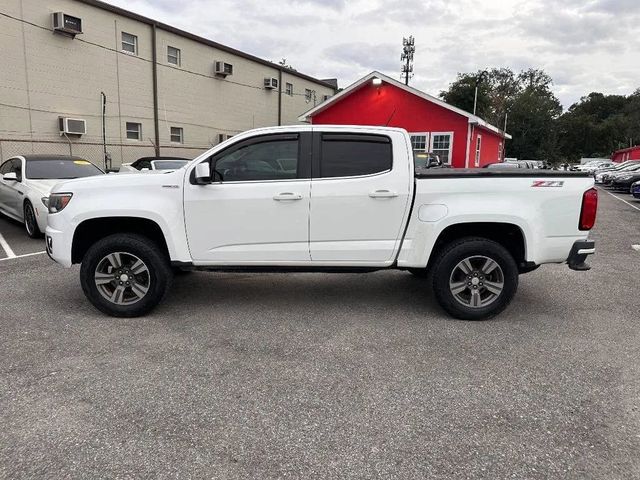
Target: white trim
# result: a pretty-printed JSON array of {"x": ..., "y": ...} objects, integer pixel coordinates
[
  {"x": 473, "y": 119},
  {"x": 433, "y": 134},
  {"x": 478, "y": 151},
  {"x": 427, "y": 141},
  {"x": 468, "y": 147}
]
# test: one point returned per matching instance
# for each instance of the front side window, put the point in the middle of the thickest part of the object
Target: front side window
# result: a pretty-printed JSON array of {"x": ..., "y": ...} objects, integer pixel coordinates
[
  {"x": 173, "y": 56},
  {"x": 269, "y": 159},
  {"x": 289, "y": 89},
  {"x": 5, "y": 167},
  {"x": 346, "y": 155},
  {"x": 441, "y": 144},
  {"x": 177, "y": 135},
  {"x": 16, "y": 167},
  {"x": 134, "y": 131},
  {"x": 129, "y": 43}
]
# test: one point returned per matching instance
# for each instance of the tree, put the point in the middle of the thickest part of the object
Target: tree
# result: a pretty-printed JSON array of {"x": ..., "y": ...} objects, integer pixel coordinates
[{"x": 525, "y": 97}]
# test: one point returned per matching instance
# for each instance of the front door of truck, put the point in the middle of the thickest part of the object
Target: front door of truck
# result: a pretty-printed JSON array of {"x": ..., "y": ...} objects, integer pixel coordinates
[
  {"x": 360, "y": 196},
  {"x": 256, "y": 210}
]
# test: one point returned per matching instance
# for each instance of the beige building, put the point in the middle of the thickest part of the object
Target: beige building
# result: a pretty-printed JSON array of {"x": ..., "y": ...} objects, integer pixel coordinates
[{"x": 166, "y": 91}]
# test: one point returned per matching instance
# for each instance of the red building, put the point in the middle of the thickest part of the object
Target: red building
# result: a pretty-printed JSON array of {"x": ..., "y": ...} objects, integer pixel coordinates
[
  {"x": 632, "y": 153},
  {"x": 458, "y": 137}
]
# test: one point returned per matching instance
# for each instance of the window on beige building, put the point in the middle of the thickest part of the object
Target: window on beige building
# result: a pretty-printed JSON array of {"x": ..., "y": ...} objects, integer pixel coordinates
[
  {"x": 173, "y": 56},
  {"x": 308, "y": 94},
  {"x": 289, "y": 89},
  {"x": 134, "y": 131},
  {"x": 129, "y": 43},
  {"x": 177, "y": 135}
]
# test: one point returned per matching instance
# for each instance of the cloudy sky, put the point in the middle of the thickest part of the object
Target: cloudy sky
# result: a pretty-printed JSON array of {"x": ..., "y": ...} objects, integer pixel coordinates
[{"x": 585, "y": 45}]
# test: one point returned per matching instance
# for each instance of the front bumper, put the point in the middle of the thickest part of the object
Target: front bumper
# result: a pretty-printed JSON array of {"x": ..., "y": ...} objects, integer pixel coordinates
[
  {"x": 55, "y": 242},
  {"x": 579, "y": 252}
]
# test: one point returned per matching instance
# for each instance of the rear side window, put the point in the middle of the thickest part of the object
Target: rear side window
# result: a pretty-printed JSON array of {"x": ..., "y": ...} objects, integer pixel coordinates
[{"x": 346, "y": 155}]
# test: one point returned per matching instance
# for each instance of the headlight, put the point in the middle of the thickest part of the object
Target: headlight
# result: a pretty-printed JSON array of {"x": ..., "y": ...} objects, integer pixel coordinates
[
  {"x": 57, "y": 201},
  {"x": 45, "y": 201}
]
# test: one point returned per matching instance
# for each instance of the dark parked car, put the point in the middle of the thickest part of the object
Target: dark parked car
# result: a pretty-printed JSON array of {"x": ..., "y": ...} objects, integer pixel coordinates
[
  {"x": 635, "y": 189},
  {"x": 608, "y": 177},
  {"x": 624, "y": 181}
]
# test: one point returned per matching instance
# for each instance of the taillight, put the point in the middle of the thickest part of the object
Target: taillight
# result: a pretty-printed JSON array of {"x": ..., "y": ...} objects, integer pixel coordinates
[{"x": 589, "y": 209}]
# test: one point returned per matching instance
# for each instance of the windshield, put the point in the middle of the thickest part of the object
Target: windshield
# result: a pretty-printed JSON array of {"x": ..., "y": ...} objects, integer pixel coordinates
[
  {"x": 168, "y": 164},
  {"x": 60, "y": 169}
]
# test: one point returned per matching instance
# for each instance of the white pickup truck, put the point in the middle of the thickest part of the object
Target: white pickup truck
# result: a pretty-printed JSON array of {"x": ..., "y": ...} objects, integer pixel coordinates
[{"x": 320, "y": 198}]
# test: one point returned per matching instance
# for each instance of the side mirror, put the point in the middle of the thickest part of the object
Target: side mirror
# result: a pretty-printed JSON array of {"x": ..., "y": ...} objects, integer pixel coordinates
[
  {"x": 203, "y": 173},
  {"x": 433, "y": 161},
  {"x": 11, "y": 177}
]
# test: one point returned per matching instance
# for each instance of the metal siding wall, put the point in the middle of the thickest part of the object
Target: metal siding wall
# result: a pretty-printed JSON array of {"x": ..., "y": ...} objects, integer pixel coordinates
[{"x": 65, "y": 77}]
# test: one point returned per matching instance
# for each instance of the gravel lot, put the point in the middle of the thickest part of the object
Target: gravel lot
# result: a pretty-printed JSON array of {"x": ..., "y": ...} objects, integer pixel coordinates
[{"x": 324, "y": 376}]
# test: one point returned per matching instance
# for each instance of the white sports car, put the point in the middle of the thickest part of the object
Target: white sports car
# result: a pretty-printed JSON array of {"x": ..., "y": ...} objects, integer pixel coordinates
[
  {"x": 145, "y": 164},
  {"x": 25, "y": 183}
]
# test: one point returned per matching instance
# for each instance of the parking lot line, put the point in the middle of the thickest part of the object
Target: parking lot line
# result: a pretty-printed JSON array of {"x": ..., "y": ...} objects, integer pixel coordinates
[
  {"x": 13, "y": 257},
  {"x": 5, "y": 246},
  {"x": 621, "y": 199}
]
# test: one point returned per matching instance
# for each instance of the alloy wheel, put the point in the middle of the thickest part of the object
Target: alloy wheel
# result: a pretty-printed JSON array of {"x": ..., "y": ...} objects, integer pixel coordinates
[
  {"x": 122, "y": 278},
  {"x": 476, "y": 281}
]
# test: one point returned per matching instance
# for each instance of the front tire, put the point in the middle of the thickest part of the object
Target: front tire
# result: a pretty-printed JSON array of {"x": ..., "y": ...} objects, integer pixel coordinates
[
  {"x": 125, "y": 275},
  {"x": 474, "y": 278},
  {"x": 30, "y": 221}
]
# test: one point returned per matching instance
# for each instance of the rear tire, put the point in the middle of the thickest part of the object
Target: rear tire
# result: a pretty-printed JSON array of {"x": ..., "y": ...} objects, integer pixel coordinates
[
  {"x": 30, "y": 221},
  {"x": 474, "y": 278},
  {"x": 125, "y": 275}
]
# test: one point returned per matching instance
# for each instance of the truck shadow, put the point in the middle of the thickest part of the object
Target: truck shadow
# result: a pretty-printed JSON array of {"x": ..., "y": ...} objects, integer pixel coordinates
[{"x": 380, "y": 293}]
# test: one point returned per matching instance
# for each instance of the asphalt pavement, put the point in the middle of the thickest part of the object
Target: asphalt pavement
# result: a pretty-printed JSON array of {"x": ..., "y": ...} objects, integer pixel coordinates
[{"x": 324, "y": 375}]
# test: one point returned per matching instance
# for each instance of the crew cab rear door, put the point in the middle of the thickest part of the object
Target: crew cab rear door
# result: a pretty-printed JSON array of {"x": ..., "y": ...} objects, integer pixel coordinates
[
  {"x": 360, "y": 196},
  {"x": 256, "y": 210}
]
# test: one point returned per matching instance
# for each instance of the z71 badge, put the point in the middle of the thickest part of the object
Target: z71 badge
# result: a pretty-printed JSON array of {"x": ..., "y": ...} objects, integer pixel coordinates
[{"x": 548, "y": 183}]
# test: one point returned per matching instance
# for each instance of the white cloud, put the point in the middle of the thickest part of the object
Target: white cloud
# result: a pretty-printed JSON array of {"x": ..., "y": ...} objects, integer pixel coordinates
[{"x": 585, "y": 45}]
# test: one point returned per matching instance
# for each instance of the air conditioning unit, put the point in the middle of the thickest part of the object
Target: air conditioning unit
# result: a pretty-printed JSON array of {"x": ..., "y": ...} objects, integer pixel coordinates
[
  {"x": 66, "y": 24},
  {"x": 223, "y": 69},
  {"x": 72, "y": 126},
  {"x": 271, "y": 83}
]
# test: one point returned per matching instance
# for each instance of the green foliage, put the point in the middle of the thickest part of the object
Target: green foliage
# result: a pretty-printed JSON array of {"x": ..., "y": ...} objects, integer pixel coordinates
[{"x": 594, "y": 127}]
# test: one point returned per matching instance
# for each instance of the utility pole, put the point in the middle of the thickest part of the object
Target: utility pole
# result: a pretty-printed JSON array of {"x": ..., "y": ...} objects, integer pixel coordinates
[
  {"x": 408, "y": 49},
  {"x": 479, "y": 79}
]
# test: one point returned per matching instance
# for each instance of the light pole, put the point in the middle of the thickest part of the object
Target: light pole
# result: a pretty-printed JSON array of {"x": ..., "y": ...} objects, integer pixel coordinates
[{"x": 479, "y": 79}]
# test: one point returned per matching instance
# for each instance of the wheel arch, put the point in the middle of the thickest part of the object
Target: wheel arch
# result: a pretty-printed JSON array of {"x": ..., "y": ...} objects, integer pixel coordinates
[
  {"x": 91, "y": 230},
  {"x": 509, "y": 235}
]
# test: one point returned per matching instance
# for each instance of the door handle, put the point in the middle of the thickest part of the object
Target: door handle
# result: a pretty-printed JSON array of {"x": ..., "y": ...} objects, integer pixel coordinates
[
  {"x": 287, "y": 196},
  {"x": 383, "y": 194}
]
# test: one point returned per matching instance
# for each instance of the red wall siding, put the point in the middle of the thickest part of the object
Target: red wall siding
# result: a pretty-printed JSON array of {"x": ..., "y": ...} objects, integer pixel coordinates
[
  {"x": 489, "y": 147},
  {"x": 626, "y": 154},
  {"x": 392, "y": 106}
]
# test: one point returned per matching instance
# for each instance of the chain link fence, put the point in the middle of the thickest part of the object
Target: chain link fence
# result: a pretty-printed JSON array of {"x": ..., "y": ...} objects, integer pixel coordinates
[{"x": 119, "y": 153}]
